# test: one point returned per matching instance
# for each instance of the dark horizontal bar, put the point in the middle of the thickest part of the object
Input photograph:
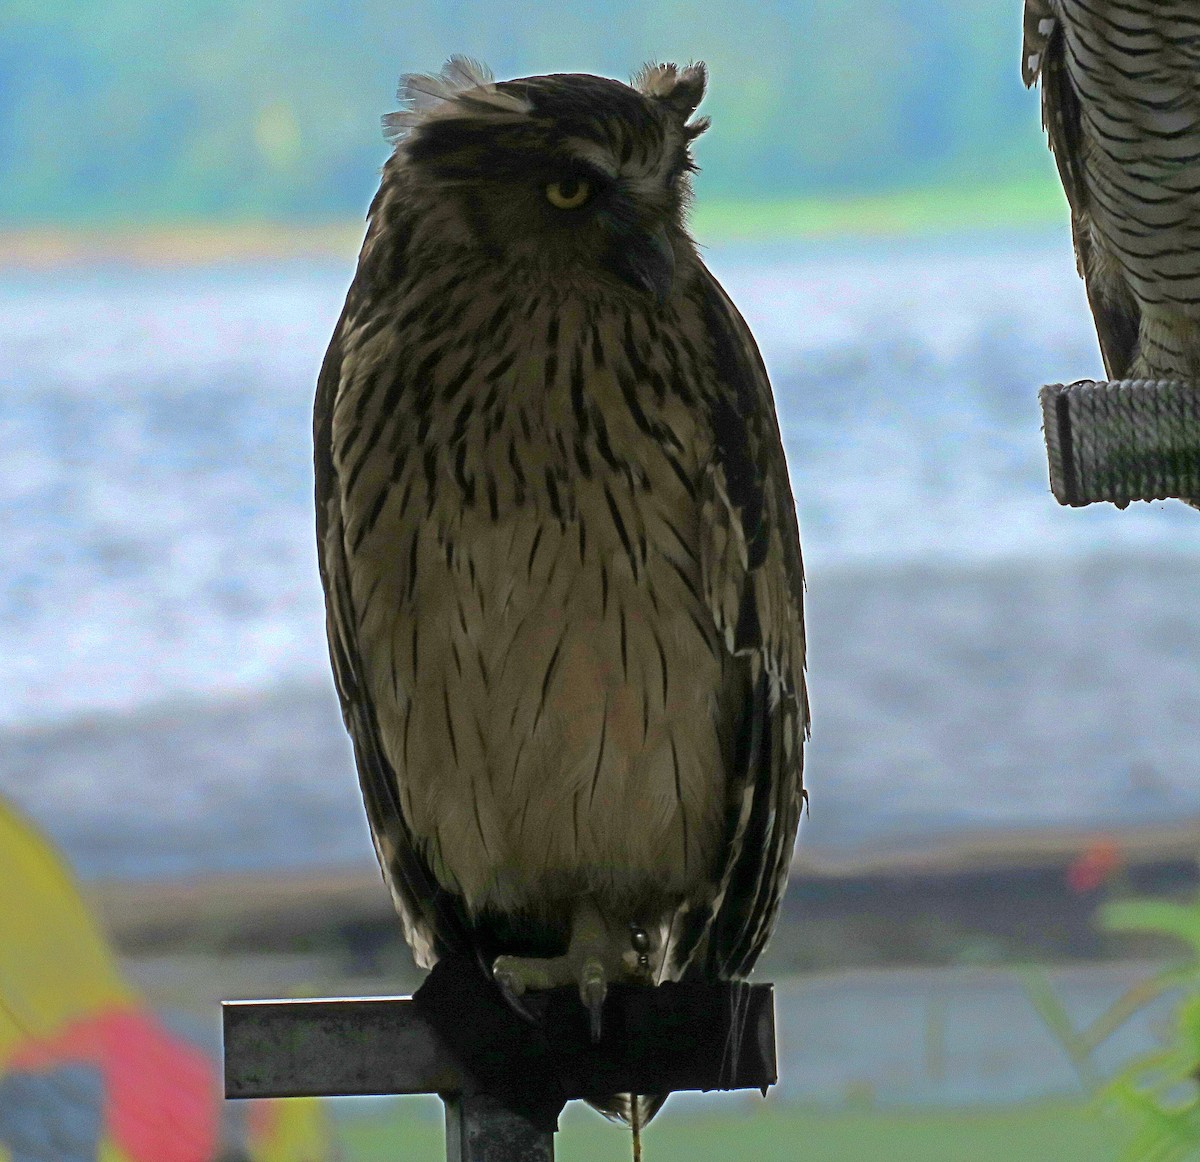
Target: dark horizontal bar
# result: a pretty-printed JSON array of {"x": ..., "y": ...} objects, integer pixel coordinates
[
  {"x": 362, "y": 1045},
  {"x": 1122, "y": 441},
  {"x": 657, "y": 1040}
]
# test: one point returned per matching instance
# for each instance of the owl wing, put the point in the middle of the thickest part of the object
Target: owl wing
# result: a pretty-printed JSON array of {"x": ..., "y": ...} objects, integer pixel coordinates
[
  {"x": 753, "y": 585},
  {"x": 1115, "y": 310},
  {"x": 433, "y": 918}
]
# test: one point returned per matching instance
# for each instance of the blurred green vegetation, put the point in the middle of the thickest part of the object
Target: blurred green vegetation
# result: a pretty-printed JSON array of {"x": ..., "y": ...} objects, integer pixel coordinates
[
  {"x": 1157, "y": 1094},
  {"x": 1060, "y": 1132},
  {"x": 118, "y": 112}
]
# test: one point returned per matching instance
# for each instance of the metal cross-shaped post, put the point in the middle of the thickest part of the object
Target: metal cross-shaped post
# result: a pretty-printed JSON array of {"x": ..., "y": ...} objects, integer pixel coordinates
[{"x": 657, "y": 1040}]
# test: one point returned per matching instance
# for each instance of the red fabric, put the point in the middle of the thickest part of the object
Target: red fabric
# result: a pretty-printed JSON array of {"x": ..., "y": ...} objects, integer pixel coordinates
[
  {"x": 1094, "y": 866},
  {"x": 161, "y": 1095}
]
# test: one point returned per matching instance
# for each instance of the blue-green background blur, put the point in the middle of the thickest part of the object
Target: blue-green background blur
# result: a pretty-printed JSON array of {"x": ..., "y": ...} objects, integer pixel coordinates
[
  {"x": 1006, "y": 693},
  {"x": 125, "y": 111}
]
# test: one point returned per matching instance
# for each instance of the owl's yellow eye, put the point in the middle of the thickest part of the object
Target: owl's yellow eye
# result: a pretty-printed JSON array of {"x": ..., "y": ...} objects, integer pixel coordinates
[{"x": 569, "y": 194}]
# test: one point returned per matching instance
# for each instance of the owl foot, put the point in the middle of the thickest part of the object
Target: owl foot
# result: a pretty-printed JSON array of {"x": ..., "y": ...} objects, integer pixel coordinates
[
  {"x": 598, "y": 954},
  {"x": 593, "y": 988}
]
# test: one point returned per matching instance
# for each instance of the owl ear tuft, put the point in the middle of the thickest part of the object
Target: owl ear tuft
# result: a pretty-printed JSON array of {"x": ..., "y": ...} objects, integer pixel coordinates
[
  {"x": 679, "y": 89},
  {"x": 464, "y": 88}
]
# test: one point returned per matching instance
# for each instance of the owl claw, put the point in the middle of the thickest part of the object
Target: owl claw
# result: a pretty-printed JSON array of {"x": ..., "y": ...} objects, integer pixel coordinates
[
  {"x": 593, "y": 988},
  {"x": 506, "y": 976},
  {"x": 512, "y": 987}
]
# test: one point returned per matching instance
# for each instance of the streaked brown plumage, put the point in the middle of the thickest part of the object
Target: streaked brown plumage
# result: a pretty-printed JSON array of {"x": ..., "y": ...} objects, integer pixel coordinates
[
  {"x": 1121, "y": 105},
  {"x": 558, "y": 544}
]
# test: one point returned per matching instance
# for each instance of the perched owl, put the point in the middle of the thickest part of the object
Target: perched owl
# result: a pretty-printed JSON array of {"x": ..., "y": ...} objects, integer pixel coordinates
[
  {"x": 1120, "y": 86},
  {"x": 558, "y": 545}
]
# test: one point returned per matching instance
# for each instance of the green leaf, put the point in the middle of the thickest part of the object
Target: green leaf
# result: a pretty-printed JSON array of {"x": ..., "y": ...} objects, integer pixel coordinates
[
  {"x": 1162, "y": 917},
  {"x": 1054, "y": 1016},
  {"x": 1188, "y": 1030},
  {"x": 1134, "y": 999},
  {"x": 1161, "y": 1133}
]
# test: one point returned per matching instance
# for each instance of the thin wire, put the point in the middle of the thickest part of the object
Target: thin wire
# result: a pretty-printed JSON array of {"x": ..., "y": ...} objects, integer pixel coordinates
[{"x": 635, "y": 1124}]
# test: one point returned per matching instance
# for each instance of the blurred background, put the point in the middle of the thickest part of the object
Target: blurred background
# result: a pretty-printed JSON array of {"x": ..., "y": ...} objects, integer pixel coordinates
[{"x": 1006, "y": 694}]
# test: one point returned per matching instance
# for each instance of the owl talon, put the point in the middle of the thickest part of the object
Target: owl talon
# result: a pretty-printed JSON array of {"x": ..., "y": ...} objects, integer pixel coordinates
[
  {"x": 593, "y": 988},
  {"x": 512, "y": 987},
  {"x": 505, "y": 974}
]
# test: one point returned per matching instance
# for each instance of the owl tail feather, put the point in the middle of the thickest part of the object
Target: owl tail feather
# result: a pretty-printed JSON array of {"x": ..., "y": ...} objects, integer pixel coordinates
[{"x": 632, "y": 1110}]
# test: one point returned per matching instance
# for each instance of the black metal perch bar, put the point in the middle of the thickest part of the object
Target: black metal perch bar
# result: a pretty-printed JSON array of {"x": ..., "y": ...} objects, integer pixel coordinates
[
  {"x": 1123, "y": 441},
  {"x": 657, "y": 1040}
]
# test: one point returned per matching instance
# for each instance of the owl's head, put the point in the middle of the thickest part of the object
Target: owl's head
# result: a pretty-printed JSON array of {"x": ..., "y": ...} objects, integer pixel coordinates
[{"x": 573, "y": 175}]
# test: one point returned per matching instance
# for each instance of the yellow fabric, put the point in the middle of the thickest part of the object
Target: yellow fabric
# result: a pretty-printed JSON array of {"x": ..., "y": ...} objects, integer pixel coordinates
[
  {"x": 109, "y": 1153},
  {"x": 55, "y": 966},
  {"x": 293, "y": 1130}
]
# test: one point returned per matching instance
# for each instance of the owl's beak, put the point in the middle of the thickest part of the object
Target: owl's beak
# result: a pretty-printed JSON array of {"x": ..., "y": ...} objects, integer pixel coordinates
[{"x": 646, "y": 260}]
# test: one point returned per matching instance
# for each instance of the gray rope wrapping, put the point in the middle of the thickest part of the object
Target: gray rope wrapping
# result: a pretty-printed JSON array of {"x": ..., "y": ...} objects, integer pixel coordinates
[{"x": 1137, "y": 439}]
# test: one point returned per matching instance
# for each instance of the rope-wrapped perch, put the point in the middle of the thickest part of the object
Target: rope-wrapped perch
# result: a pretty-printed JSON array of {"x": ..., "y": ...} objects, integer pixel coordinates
[{"x": 1118, "y": 442}]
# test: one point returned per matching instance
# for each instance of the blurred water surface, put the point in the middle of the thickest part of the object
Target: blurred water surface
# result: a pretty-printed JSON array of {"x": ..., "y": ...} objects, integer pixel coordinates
[
  {"x": 960, "y": 1036},
  {"x": 980, "y": 657}
]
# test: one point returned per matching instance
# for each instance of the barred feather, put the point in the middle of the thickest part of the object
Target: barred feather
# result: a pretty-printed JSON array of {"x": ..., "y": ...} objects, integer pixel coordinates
[{"x": 1122, "y": 109}]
